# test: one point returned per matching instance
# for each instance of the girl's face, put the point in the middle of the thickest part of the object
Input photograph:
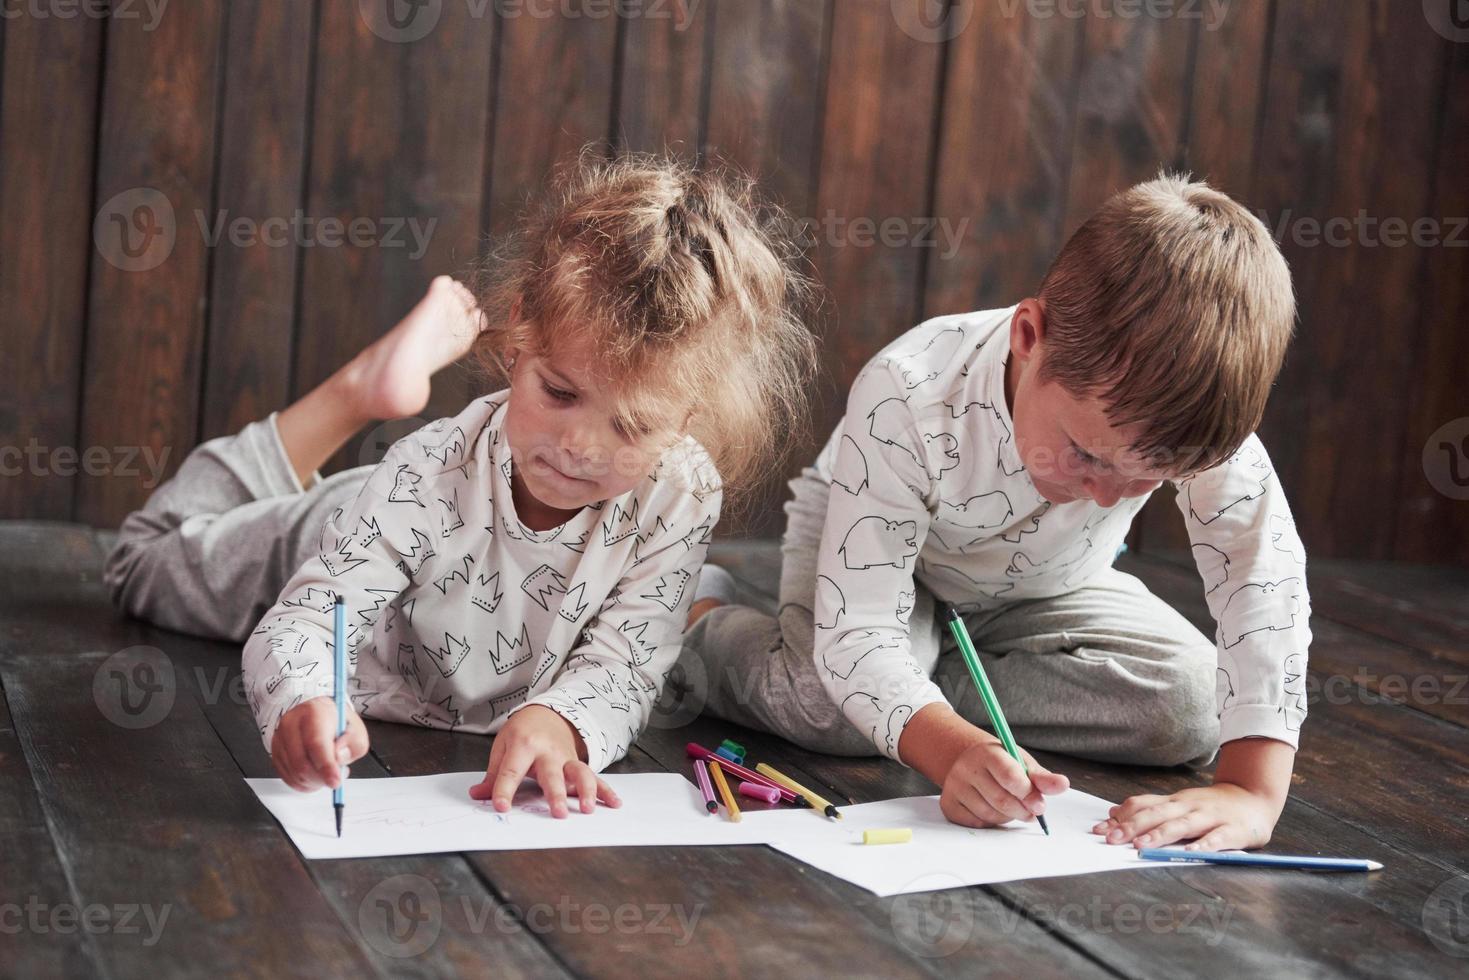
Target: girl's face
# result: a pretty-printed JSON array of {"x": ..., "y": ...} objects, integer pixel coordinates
[{"x": 566, "y": 447}]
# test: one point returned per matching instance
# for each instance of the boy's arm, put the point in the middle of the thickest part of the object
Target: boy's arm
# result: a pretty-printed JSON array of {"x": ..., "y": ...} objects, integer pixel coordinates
[
  {"x": 1254, "y": 571},
  {"x": 607, "y": 688},
  {"x": 876, "y": 522},
  {"x": 368, "y": 554}
]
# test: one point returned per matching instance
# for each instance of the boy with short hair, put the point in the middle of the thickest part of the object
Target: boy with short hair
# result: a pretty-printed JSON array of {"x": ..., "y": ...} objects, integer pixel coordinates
[{"x": 995, "y": 460}]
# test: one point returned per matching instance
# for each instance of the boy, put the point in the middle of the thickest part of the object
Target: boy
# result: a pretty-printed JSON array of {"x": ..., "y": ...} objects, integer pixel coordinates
[{"x": 995, "y": 461}]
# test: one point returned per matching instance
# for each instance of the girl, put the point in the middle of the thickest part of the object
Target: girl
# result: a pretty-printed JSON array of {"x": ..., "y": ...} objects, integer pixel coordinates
[{"x": 525, "y": 567}]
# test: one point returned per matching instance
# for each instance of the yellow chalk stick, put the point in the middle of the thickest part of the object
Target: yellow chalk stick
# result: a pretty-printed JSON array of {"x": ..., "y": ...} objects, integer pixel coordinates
[{"x": 895, "y": 836}]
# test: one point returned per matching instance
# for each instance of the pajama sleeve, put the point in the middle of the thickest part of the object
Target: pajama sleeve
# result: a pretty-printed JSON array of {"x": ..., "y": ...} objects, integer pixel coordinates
[
  {"x": 369, "y": 553},
  {"x": 608, "y": 686},
  {"x": 1254, "y": 570},
  {"x": 876, "y": 522}
]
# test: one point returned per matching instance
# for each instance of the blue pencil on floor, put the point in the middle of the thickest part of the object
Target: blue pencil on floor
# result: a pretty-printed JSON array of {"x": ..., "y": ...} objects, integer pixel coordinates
[
  {"x": 339, "y": 692},
  {"x": 1300, "y": 863}
]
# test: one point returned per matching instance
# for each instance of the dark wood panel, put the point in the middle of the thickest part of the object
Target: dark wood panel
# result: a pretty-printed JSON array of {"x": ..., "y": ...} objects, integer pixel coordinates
[
  {"x": 155, "y": 177},
  {"x": 553, "y": 96},
  {"x": 33, "y": 868},
  {"x": 768, "y": 63},
  {"x": 873, "y": 232},
  {"x": 663, "y": 77},
  {"x": 1431, "y": 525},
  {"x": 136, "y": 790},
  {"x": 261, "y": 158},
  {"x": 46, "y": 244},
  {"x": 1004, "y": 156},
  {"x": 1360, "y": 753},
  {"x": 1340, "y": 140},
  {"x": 459, "y": 919},
  {"x": 765, "y": 93},
  {"x": 1131, "y": 106},
  {"x": 398, "y": 142}
]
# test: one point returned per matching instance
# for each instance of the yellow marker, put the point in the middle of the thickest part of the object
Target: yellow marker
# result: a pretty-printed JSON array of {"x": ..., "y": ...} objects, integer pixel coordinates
[
  {"x": 900, "y": 835},
  {"x": 723, "y": 786},
  {"x": 817, "y": 803}
]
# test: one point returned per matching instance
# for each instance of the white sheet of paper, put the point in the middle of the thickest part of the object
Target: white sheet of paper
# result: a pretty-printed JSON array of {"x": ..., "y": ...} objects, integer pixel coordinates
[
  {"x": 427, "y": 814},
  {"x": 945, "y": 855}
]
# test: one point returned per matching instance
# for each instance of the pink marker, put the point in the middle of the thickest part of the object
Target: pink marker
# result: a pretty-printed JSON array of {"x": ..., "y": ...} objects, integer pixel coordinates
[{"x": 760, "y": 791}]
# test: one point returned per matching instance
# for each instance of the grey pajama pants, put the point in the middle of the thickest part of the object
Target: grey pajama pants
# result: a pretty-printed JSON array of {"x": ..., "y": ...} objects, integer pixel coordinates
[
  {"x": 1108, "y": 671},
  {"x": 214, "y": 545}
]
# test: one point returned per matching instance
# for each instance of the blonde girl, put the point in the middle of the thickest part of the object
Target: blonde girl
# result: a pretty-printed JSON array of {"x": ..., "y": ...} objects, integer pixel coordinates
[{"x": 526, "y": 566}]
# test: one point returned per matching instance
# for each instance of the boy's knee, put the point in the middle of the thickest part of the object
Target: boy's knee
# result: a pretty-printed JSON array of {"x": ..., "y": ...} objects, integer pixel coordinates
[{"x": 1181, "y": 726}]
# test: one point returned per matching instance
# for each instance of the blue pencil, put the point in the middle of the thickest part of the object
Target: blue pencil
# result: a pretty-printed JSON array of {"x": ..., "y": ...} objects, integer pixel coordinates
[
  {"x": 1259, "y": 860},
  {"x": 339, "y": 693}
]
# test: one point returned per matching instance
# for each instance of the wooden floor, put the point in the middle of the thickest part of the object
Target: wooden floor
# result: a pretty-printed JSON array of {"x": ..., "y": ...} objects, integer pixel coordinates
[{"x": 132, "y": 847}]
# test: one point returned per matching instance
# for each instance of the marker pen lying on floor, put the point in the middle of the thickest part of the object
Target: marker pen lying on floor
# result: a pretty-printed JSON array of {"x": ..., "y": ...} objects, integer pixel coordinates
[{"x": 1246, "y": 859}]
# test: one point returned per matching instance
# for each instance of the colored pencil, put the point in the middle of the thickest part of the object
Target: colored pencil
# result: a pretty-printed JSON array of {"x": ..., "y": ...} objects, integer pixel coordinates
[
  {"x": 987, "y": 694},
  {"x": 339, "y": 693}
]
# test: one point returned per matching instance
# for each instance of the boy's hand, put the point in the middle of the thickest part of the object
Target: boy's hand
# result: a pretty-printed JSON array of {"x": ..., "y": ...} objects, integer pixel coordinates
[
  {"x": 306, "y": 750},
  {"x": 536, "y": 741},
  {"x": 985, "y": 787},
  {"x": 1223, "y": 817}
]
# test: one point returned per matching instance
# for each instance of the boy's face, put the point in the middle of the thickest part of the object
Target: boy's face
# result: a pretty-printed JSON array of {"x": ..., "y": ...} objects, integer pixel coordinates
[
  {"x": 567, "y": 449},
  {"x": 1069, "y": 448}
]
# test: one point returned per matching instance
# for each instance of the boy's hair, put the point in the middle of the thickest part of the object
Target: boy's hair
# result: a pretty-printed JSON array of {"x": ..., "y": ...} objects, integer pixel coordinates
[
  {"x": 1172, "y": 306},
  {"x": 684, "y": 293}
]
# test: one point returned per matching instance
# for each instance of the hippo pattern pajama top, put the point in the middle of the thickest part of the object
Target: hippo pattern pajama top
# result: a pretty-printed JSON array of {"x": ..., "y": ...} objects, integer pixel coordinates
[
  {"x": 458, "y": 615},
  {"x": 926, "y": 484}
]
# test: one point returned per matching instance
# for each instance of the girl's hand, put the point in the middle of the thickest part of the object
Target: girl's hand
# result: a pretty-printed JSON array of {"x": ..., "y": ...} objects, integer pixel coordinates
[
  {"x": 306, "y": 751},
  {"x": 985, "y": 787},
  {"x": 1222, "y": 817},
  {"x": 536, "y": 741}
]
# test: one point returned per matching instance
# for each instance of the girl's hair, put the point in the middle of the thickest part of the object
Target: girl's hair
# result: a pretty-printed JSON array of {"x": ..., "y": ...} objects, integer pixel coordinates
[{"x": 678, "y": 283}]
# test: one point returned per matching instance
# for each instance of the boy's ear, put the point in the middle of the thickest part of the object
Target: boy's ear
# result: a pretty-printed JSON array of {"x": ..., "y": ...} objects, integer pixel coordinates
[{"x": 1027, "y": 327}]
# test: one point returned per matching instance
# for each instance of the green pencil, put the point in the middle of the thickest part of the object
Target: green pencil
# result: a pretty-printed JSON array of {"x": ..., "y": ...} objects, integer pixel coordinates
[{"x": 987, "y": 694}]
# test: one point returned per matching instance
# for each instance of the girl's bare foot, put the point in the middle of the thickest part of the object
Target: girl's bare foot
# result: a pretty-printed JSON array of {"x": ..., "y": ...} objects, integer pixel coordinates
[
  {"x": 390, "y": 378},
  {"x": 387, "y": 380}
]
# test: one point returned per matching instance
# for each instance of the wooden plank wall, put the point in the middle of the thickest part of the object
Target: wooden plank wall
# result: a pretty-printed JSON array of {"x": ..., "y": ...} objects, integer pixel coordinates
[{"x": 1008, "y": 120}]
